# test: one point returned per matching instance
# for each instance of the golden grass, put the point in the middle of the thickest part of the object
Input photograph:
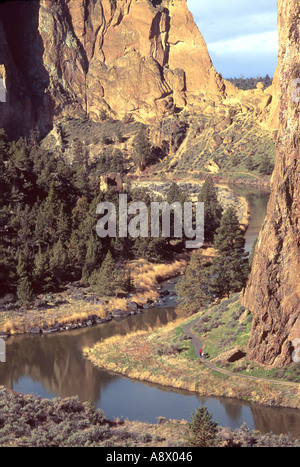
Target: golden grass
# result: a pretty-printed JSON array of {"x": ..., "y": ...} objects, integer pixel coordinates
[
  {"x": 135, "y": 356},
  {"x": 145, "y": 277}
]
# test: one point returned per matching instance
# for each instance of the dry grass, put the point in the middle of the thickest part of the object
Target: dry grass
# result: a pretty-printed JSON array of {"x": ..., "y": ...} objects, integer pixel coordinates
[
  {"x": 136, "y": 356},
  {"x": 145, "y": 277},
  {"x": 74, "y": 312}
]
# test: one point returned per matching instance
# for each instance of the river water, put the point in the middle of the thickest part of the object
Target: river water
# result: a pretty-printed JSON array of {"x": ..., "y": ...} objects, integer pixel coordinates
[{"x": 52, "y": 365}]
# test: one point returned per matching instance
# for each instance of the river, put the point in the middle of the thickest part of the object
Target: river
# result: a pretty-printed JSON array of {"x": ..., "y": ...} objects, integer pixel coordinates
[{"x": 52, "y": 365}]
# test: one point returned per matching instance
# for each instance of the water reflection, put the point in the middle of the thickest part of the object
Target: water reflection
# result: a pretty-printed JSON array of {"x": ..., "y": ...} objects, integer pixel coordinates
[
  {"x": 56, "y": 361},
  {"x": 52, "y": 365},
  {"x": 258, "y": 202}
]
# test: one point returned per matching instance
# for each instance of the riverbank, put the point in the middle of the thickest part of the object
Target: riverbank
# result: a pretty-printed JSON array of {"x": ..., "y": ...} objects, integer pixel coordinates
[
  {"x": 238, "y": 179},
  {"x": 167, "y": 357},
  {"x": 76, "y": 307},
  {"x": 30, "y": 421}
]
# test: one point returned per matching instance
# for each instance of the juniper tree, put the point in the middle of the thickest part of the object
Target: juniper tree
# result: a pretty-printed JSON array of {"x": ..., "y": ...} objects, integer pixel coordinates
[
  {"x": 106, "y": 281},
  {"x": 192, "y": 286},
  {"x": 212, "y": 208},
  {"x": 24, "y": 286},
  {"x": 230, "y": 267},
  {"x": 92, "y": 256},
  {"x": 142, "y": 149},
  {"x": 203, "y": 430}
]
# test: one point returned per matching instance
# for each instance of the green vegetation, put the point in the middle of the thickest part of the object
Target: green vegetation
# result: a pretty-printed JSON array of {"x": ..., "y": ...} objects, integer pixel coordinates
[
  {"x": 226, "y": 326},
  {"x": 230, "y": 267},
  {"x": 107, "y": 279},
  {"x": 251, "y": 83},
  {"x": 234, "y": 146},
  {"x": 48, "y": 220},
  {"x": 191, "y": 288},
  {"x": 212, "y": 208},
  {"x": 228, "y": 272},
  {"x": 203, "y": 430},
  {"x": 29, "y": 421}
]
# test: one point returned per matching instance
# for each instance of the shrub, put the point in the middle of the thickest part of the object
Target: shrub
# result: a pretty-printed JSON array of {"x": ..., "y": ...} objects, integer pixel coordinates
[{"x": 203, "y": 430}]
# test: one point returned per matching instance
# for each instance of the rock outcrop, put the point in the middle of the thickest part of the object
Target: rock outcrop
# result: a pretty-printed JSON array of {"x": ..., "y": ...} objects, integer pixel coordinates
[
  {"x": 273, "y": 290},
  {"x": 120, "y": 58}
]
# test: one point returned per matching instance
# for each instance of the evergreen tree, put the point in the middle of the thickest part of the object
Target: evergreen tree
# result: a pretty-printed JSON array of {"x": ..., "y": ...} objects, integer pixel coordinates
[
  {"x": 58, "y": 262},
  {"x": 92, "y": 256},
  {"x": 250, "y": 163},
  {"x": 62, "y": 225},
  {"x": 142, "y": 149},
  {"x": 192, "y": 286},
  {"x": 212, "y": 208},
  {"x": 107, "y": 280},
  {"x": 20, "y": 155},
  {"x": 3, "y": 145},
  {"x": 51, "y": 216},
  {"x": 203, "y": 430},
  {"x": 230, "y": 269},
  {"x": 41, "y": 266},
  {"x": 177, "y": 194},
  {"x": 151, "y": 249},
  {"x": 75, "y": 255},
  {"x": 266, "y": 167},
  {"x": 24, "y": 286}
]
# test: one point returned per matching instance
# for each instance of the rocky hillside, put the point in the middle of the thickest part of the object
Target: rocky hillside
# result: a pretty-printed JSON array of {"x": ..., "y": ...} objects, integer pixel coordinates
[
  {"x": 273, "y": 291},
  {"x": 125, "y": 59},
  {"x": 80, "y": 58}
]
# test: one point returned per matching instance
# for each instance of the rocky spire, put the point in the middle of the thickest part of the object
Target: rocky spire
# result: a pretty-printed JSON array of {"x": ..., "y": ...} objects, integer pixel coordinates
[{"x": 273, "y": 291}]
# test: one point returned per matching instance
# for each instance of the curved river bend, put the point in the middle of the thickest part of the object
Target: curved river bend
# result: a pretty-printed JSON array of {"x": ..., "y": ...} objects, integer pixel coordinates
[{"x": 52, "y": 365}]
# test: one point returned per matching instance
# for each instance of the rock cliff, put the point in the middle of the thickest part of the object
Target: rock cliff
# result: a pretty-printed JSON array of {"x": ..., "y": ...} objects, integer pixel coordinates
[
  {"x": 273, "y": 290},
  {"x": 122, "y": 58}
]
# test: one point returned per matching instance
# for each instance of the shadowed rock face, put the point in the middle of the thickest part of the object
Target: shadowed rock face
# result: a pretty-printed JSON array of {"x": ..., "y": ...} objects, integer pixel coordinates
[
  {"x": 120, "y": 58},
  {"x": 273, "y": 290},
  {"x": 26, "y": 78}
]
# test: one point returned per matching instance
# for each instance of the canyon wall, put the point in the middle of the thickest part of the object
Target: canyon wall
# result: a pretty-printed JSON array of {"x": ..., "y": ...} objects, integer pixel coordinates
[
  {"x": 273, "y": 290},
  {"x": 137, "y": 59}
]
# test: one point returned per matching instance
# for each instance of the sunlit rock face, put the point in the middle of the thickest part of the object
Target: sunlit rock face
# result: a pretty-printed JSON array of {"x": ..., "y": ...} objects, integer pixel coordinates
[
  {"x": 121, "y": 58},
  {"x": 273, "y": 291}
]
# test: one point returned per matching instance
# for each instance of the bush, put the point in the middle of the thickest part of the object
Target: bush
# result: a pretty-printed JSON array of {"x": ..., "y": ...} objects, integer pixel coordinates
[{"x": 203, "y": 430}]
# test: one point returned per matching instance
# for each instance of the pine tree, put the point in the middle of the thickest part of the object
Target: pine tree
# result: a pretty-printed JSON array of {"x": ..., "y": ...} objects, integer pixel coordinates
[
  {"x": 24, "y": 286},
  {"x": 203, "y": 430},
  {"x": 266, "y": 167},
  {"x": 212, "y": 208},
  {"x": 91, "y": 257},
  {"x": 176, "y": 194},
  {"x": 230, "y": 268},
  {"x": 3, "y": 144},
  {"x": 107, "y": 280},
  {"x": 51, "y": 221},
  {"x": 142, "y": 150},
  {"x": 62, "y": 225},
  {"x": 42, "y": 274},
  {"x": 75, "y": 254},
  {"x": 192, "y": 286},
  {"x": 58, "y": 262}
]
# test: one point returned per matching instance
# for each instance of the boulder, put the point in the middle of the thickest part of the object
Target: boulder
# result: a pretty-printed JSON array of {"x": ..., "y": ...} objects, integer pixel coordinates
[{"x": 120, "y": 314}]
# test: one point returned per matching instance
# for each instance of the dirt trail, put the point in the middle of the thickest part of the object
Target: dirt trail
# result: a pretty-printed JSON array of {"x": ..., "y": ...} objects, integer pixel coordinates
[{"x": 197, "y": 346}]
